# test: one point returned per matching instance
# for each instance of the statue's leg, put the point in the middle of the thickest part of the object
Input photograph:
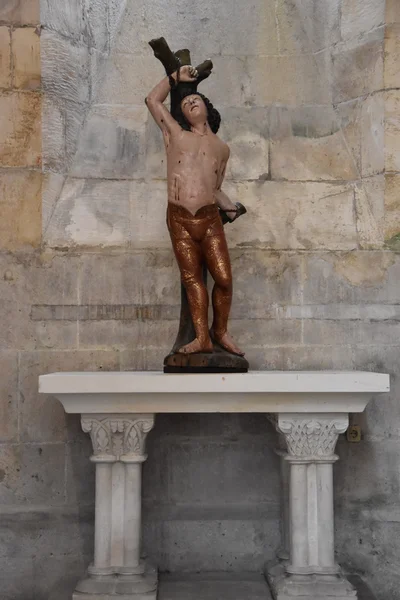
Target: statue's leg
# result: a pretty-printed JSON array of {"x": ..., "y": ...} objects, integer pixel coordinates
[
  {"x": 215, "y": 251},
  {"x": 189, "y": 257}
]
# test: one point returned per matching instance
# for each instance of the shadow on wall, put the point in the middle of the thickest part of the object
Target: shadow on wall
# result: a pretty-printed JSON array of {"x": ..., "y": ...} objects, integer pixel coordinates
[{"x": 287, "y": 85}]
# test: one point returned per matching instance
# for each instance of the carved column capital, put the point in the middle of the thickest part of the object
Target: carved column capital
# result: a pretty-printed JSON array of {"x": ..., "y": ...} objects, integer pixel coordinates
[
  {"x": 118, "y": 437},
  {"x": 313, "y": 435}
]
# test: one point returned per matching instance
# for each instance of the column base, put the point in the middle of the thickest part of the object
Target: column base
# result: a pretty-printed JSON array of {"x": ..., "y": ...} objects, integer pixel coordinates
[
  {"x": 118, "y": 587},
  {"x": 307, "y": 587}
]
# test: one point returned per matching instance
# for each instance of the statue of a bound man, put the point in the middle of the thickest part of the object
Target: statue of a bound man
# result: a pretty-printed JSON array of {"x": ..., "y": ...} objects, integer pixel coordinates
[{"x": 196, "y": 164}]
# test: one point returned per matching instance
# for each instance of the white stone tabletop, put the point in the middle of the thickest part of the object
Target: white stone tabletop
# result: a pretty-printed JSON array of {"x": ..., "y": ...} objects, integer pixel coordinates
[{"x": 256, "y": 391}]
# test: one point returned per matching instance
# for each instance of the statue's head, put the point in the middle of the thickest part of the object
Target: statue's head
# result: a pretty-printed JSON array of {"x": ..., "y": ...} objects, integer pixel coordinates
[{"x": 195, "y": 108}]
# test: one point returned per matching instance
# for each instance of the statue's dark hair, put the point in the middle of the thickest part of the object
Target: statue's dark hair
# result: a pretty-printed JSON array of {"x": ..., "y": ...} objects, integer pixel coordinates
[{"x": 213, "y": 116}]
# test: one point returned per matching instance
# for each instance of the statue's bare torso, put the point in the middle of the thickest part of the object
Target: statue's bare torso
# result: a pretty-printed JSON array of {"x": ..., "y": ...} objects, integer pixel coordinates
[{"x": 195, "y": 164}]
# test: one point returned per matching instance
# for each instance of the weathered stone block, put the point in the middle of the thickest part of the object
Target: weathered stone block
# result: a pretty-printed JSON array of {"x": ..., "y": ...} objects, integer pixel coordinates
[
  {"x": 374, "y": 534},
  {"x": 143, "y": 21},
  {"x": 112, "y": 144},
  {"x": 373, "y": 135},
  {"x": 42, "y": 418},
  {"x": 91, "y": 212},
  {"x": 318, "y": 159},
  {"x": 392, "y": 131},
  {"x": 55, "y": 335},
  {"x": 52, "y": 184},
  {"x": 26, "y": 58},
  {"x": 116, "y": 13},
  {"x": 261, "y": 333},
  {"x": 148, "y": 213},
  {"x": 156, "y": 161},
  {"x": 80, "y": 471},
  {"x": 392, "y": 56},
  {"x": 198, "y": 472},
  {"x": 392, "y": 207},
  {"x": 354, "y": 488},
  {"x": 370, "y": 211},
  {"x": 53, "y": 132},
  {"x": 46, "y": 531},
  {"x": 341, "y": 312},
  {"x": 308, "y": 121},
  {"x": 62, "y": 125},
  {"x": 20, "y": 136},
  {"x": 56, "y": 576},
  {"x": 392, "y": 12},
  {"x": 358, "y": 67},
  {"x": 213, "y": 585},
  {"x": 316, "y": 358},
  {"x": 246, "y": 131},
  {"x": 291, "y": 80},
  {"x": 379, "y": 422},
  {"x": 20, "y": 202},
  {"x": 74, "y": 116},
  {"x": 307, "y": 27},
  {"x": 20, "y": 12},
  {"x": 32, "y": 474},
  {"x": 222, "y": 543},
  {"x": 305, "y": 215},
  {"x": 57, "y": 540},
  {"x": 149, "y": 277},
  {"x": 222, "y": 89},
  {"x": 127, "y": 79},
  {"x": 332, "y": 333},
  {"x": 354, "y": 278},
  {"x": 348, "y": 115},
  {"x": 203, "y": 426},
  {"x": 97, "y": 23},
  {"x": 67, "y": 18},
  {"x": 5, "y": 57},
  {"x": 17, "y": 577},
  {"x": 316, "y": 142},
  {"x": 98, "y": 71},
  {"x": 128, "y": 334},
  {"x": 65, "y": 68},
  {"x": 359, "y": 17},
  {"x": 263, "y": 280},
  {"x": 198, "y": 27},
  {"x": 145, "y": 359},
  {"x": 8, "y": 397},
  {"x": 256, "y": 17},
  {"x": 29, "y": 280}
]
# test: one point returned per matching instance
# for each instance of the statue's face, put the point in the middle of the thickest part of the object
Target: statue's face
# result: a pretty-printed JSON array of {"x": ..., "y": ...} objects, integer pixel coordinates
[{"x": 194, "y": 109}]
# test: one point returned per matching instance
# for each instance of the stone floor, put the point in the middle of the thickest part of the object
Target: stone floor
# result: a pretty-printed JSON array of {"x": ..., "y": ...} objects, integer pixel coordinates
[
  {"x": 214, "y": 586},
  {"x": 229, "y": 586}
]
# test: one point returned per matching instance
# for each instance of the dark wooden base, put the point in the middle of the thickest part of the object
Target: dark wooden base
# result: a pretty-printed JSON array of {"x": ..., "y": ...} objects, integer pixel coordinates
[{"x": 218, "y": 361}]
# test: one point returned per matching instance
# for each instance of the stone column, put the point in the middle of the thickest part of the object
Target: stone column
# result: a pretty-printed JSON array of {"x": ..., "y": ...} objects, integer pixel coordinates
[
  {"x": 280, "y": 450},
  {"x": 311, "y": 571},
  {"x": 284, "y": 551},
  {"x": 118, "y": 453}
]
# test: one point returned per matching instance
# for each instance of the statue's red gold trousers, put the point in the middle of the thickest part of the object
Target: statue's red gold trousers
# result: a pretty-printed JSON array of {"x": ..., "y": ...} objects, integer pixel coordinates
[{"x": 196, "y": 239}]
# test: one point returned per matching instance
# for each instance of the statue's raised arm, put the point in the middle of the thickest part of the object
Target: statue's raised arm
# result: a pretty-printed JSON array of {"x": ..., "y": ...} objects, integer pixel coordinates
[{"x": 156, "y": 98}]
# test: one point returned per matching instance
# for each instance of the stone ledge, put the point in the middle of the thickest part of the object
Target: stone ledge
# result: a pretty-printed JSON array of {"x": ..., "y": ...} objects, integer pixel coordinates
[{"x": 256, "y": 391}]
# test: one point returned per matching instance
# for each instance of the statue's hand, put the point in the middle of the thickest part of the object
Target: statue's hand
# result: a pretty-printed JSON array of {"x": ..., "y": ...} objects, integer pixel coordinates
[{"x": 188, "y": 73}]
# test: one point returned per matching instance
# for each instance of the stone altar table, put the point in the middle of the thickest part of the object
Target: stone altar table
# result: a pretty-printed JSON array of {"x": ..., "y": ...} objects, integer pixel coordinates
[{"x": 309, "y": 409}]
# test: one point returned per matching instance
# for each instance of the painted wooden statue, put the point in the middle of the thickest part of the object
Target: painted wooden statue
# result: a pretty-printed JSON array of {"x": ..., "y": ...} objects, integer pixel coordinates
[{"x": 197, "y": 207}]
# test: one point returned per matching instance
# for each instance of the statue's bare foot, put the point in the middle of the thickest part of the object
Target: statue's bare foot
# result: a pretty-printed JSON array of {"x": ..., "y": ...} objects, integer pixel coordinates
[
  {"x": 196, "y": 346},
  {"x": 226, "y": 342}
]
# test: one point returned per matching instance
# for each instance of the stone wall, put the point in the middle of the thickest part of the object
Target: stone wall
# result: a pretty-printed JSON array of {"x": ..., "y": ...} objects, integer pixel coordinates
[{"x": 308, "y": 92}]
